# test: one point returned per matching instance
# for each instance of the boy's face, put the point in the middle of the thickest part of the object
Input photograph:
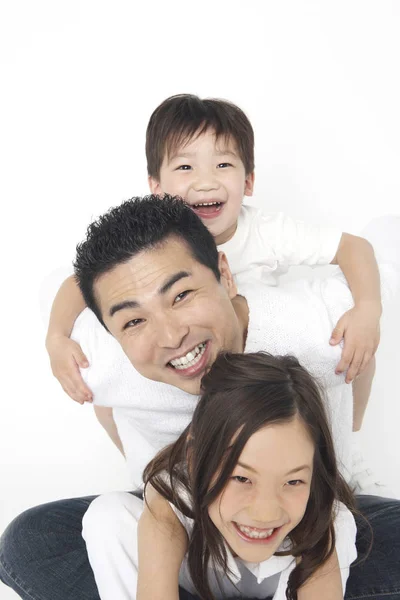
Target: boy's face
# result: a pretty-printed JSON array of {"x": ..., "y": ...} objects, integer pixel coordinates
[{"x": 211, "y": 177}]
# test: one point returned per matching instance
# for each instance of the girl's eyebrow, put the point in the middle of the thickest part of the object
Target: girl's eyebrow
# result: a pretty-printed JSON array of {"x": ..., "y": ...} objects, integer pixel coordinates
[{"x": 295, "y": 470}]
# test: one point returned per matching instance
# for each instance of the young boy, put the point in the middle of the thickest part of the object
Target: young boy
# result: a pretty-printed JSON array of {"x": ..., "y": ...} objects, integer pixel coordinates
[{"x": 203, "y": 151}]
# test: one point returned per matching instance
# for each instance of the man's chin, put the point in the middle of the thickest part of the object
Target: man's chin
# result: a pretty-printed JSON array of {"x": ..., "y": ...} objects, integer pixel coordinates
[{"x": 189, "y": 385}]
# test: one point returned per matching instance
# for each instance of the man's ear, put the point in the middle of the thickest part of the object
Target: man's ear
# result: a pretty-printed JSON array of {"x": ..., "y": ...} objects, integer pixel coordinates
[
  {"x": 249, "y": 184},
  {"x": 226, "y": 275},
  {"x": 154, "y": 185}
]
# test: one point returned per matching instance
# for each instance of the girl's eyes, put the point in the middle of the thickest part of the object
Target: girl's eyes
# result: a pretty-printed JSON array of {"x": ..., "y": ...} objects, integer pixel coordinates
[
  {"x": 240, "y": 479},
  {"x": 295, "y": 482}
]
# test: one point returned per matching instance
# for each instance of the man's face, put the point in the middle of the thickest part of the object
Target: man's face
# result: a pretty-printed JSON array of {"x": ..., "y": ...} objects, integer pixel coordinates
[
  {"x": 170, "y": 314},
  {"x": 210, "y": 176}
]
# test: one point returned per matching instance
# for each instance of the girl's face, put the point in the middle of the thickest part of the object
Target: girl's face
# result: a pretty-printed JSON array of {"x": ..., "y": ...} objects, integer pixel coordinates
[{"x": 267, "y": 494}]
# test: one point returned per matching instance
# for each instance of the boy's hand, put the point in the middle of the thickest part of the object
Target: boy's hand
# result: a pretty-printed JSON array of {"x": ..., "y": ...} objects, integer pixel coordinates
[
  {"x": 66, "y": 357},
  {"x": 360, "y": 329}
]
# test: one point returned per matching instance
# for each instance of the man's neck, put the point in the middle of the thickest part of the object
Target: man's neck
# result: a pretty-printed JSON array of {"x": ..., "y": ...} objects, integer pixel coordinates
[{"x": 241, "y": 309}]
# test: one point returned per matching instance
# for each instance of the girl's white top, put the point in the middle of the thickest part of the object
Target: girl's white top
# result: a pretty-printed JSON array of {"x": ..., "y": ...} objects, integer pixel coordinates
[{"x": 270, "y": 577}]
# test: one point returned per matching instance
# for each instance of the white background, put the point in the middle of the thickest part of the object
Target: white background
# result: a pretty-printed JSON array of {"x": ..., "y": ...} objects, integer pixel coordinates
[{"x": 79, "y": 80}]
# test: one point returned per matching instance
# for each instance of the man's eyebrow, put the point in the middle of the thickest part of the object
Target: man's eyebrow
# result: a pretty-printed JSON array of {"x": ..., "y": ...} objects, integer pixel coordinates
[
  {"x": 172, "y": 280},
  {"x": 163, "y": 290},
  {"x": 295, "y": 470}
]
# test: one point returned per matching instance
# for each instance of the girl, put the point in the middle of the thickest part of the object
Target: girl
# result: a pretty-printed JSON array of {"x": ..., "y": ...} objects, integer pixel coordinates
[{"x": 248, "y": 502}]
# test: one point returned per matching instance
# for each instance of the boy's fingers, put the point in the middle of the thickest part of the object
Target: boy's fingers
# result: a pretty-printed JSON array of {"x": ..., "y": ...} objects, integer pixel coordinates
[
  {"x": 365, "y": 361},
  {"x": 337, "y": 335},
  {"x": 345, "y": 361},
  {"x": 76, "y": 388},
  {"x": 354, "y": 367},
  {"x": 81, "y": 359}
]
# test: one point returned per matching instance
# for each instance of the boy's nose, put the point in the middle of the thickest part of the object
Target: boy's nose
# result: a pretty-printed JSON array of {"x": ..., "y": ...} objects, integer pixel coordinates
[{"x": 205, "y": 182}]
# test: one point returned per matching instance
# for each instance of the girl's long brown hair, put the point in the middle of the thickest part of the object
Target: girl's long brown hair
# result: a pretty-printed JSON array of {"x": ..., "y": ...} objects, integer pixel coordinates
[{"x": 241, "y": 394}]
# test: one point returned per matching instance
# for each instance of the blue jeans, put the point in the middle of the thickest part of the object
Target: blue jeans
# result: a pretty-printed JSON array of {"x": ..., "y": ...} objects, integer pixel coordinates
[{"x": 43, "y": 556}]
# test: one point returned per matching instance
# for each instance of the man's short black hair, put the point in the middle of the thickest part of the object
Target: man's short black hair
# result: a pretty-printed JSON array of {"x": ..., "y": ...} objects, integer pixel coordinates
[{"x": 133, "y": 226}]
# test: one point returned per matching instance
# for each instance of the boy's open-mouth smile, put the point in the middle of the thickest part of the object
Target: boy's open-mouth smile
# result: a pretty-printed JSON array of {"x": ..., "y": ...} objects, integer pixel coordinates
[
  {"x": 193, "y": 362},
  {"x": 207, "y": 209}
]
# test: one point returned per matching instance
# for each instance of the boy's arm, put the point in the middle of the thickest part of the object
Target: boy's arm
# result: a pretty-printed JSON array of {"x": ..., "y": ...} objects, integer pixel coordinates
[
  {"x": 359, "y": 326},
  {"x": 325, "y": 583},
  {"x": 162, "y": 544},
  {"x": 105, "y": 417},
  {"x": 66, "y": 356}
]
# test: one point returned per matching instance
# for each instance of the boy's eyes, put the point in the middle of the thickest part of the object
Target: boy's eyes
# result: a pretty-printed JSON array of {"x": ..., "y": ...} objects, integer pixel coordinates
[{"x": 222, "y": 165}]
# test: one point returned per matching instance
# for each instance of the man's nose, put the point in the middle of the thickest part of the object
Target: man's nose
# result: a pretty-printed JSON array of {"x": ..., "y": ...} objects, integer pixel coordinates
[{"x": 169, "y": 332}]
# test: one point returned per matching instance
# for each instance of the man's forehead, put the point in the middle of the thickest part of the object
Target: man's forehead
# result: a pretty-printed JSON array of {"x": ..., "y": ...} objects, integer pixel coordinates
[{"x": 148, "y": 271}]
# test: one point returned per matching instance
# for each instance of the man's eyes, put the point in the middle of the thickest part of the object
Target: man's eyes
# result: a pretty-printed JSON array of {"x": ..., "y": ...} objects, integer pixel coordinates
[
  {"x": 132, "y": 323},
  {"x": 182, "y": 296}
]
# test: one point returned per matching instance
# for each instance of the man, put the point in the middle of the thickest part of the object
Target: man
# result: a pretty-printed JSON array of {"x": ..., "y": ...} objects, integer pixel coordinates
[{"x": 151, "y": 273}]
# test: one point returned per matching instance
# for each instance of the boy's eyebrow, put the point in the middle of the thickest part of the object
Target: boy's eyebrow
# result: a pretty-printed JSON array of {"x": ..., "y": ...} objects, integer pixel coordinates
[
  {"x": 295, "y": 470},
  {"x": 179, "y": 154},
  {"x": 162, "y": 290}
]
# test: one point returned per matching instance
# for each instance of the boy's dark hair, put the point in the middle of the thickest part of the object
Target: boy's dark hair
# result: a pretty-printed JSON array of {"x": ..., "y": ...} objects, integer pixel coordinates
[
  {"x": 133, "y": 226},
  {"x": 179, "y": 118},
  {"x": 242, "y": 393}
]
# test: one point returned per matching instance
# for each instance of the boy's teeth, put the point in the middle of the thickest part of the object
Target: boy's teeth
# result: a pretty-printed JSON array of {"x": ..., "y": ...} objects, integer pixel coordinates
[
  {"x": 190, "y": 359},
  {"x": 257, "y": 534},
  {"x": 206, "y": 203}
]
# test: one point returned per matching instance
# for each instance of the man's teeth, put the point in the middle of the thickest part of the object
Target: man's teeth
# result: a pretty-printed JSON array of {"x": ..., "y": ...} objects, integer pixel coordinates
[
  {"x": 257, "y": 534},
  {"x": 190, "y": 359}
]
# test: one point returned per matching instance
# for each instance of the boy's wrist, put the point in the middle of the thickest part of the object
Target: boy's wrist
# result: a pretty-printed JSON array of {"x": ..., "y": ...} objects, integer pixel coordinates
[
  {"x": 54, "y": 337},
  {"x": 373, "y": 306}
]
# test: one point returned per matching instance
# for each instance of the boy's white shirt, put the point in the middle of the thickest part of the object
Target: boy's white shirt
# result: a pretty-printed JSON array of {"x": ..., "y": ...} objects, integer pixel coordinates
[{"x": 265, "y": 245}]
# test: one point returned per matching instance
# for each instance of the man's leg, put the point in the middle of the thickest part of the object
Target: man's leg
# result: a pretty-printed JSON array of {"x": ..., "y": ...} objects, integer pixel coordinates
[
  {"x": 378, "y": 576},
  {"x": 43, "y": 555}
]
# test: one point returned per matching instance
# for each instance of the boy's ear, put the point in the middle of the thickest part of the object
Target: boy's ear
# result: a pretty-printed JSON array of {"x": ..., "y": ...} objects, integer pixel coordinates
[
  {"x": 154, "y": 185},
  {"x": 249, "y": 184},
  {"x": 226, "y": 275}
]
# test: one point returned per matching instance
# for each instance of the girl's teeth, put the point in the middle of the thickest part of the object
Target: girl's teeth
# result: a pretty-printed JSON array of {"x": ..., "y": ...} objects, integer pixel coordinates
[
  {"x": 190, "y": 359},
  {"x": 256, "y": 534}
]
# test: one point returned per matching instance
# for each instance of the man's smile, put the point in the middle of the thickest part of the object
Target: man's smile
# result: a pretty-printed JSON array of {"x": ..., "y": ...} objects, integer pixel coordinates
[{"x": 193, "y": 362}]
